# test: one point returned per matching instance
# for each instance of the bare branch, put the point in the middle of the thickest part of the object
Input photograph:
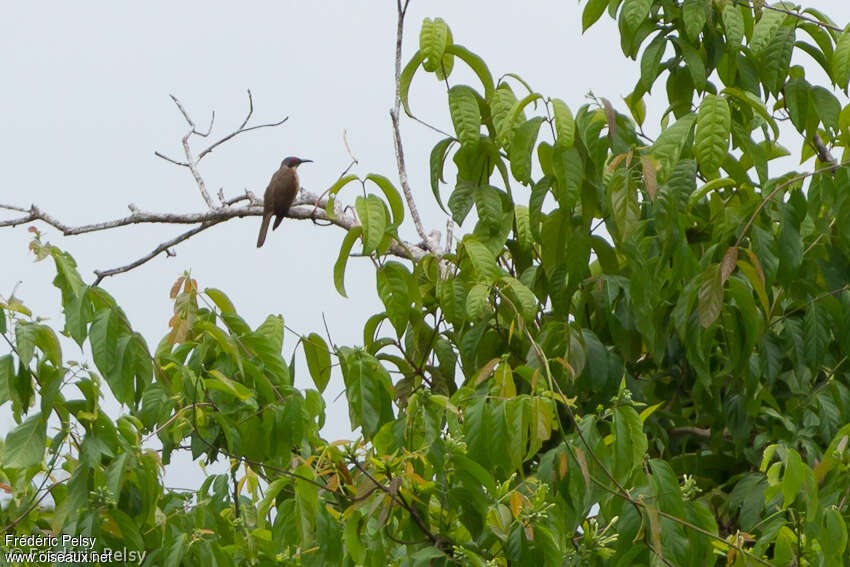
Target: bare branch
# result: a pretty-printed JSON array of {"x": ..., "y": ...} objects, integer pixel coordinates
[
  {"x": 241, "y": 131},
  {"x": 399, "y": 150},
  {"x": 156, "y": 252},
  {"x": 13, "y": 208},
  {"x": 307, "y": 206},
  {"x": 174, "y": 161},
  {"x": 823, "y": 152}
]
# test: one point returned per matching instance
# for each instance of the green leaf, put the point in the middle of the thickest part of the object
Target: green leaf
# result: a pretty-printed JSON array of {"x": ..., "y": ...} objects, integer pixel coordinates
[
  {"x": 693, "y": 15},
  {"x": 406, "y": 77},
  {"x": 394, "y": 285},
  {"x": 792, "y": 479},
  {"x": 25, "y": 338},
  {"x": 48, "y": 342},
  {"x": 694, "y": 63},
  {"x": 221, "y": 300},
  {"x": 522, "y": 143},
  {"x": 7, "y": 372},
  {"x": 523, "y": 298},
  {"x": 339, "y": 267},
  {"x": 816, "y": 334},
  {"x": 569, "y": 172},
  {"x": 624, "y": 204},
  {"x": 334, "y": 189},
  {"x": 373, "y": 219},
  {"x": 494, "y": 217},
  {"x": 833, "y": 532},
  {"x": 393, "y": 198},
  {"x": 797, "y": 101},
  {"x": 318, "y": 357},
  {"x": 630, "y": 443},
  {"x": 433, "y": 40},
  {"x": 755, "y": 103},
  {"x": 104, "y": 340},
  {"x": 461, "y": 201},
  {"x": 710, "y": 296},
  {"x": 476, "y": 64},
  {"x": 733, "y": 23},
  {"x": 714, "y": 125},
  {"x": 841, "y": 61},
  {"x": 634, "y": 13},
  {"x": 368, "y": 389},
  {"x": 2, "y": 321},
  {"x": 827, "y": 107},
  {"x": 478, "y": 301},
  {"x": 777, "y": 59},
  {"x": 651, "y": 59},
  {"x": 501, "y": 101},
  {"x": 565, "y": 127},
  {"x": 224, "y": 384},
  {"x": 505, "y": 131},
  {"x": 670, "y": 143},
  {"x": 465, "y": 113},
  {"x": 25, "y": 445},
  {"x": 437, "y": 160},
  {"x": 765, "y": 29},
  {"x": 592, "y": 12},
  {"x": 482, "y": 259}
]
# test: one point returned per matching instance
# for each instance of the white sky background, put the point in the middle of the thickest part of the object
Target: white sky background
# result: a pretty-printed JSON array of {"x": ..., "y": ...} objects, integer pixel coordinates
[{"x": 85, "y": 104}]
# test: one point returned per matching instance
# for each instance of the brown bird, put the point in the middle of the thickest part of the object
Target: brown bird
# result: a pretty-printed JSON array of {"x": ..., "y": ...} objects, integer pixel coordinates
[{"x": 279, "y": 194}]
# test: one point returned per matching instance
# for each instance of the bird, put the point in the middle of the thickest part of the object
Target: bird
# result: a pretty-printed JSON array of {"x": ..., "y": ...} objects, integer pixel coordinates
[{"x": 279, "y": 194}]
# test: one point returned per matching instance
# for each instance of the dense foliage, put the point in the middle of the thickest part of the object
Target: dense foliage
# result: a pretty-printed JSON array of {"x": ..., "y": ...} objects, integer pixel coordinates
[{"x": 637, "y": 356}]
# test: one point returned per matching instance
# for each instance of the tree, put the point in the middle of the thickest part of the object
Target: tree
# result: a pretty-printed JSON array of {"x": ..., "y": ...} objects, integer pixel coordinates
[{"x": 637, "y": 356}]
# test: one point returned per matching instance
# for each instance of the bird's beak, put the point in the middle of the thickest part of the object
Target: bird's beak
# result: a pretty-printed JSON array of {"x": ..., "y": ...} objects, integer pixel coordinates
[{"x": 306, "y": 161}]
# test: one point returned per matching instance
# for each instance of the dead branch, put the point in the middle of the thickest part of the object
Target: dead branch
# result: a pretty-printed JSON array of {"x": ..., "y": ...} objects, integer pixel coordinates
[
  {"x": 191, "y": 161},
  {"x": 399, "y": 149},
  {"x": 307, "y": 206}
]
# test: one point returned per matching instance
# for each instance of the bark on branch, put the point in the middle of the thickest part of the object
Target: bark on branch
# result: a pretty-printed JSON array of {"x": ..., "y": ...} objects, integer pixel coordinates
[{"x": 306, "y": 205}]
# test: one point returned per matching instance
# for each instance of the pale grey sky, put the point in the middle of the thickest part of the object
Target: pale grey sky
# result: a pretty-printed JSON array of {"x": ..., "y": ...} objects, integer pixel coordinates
[{"x": 85, "y": 104}]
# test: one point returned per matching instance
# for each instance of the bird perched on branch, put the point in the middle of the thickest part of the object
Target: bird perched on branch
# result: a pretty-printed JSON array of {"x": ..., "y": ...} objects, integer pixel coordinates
[{"x": 279, "y": 194}]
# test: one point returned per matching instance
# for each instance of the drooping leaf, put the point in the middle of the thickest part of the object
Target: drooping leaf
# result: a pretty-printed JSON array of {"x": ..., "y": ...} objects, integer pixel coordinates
[
  {"x": 345, "y": 249},
  {"x": 466, "y": 116},
  {"x": 437, "y": 161},
  {"x": 373, "y": 219},
  {"x": 841, "y": 60},
  {"x": 711, "y": 141},
  {"x": 564, "y": 124},
  {"x": 733, "y": 24},
  {"x": 25, "y": 445},
  {"x": 393, "y": 198},
  {"x": 433, "y": 40},
  {"x": 710, "y": 296},
  {"x": 318, "y": 357},
  {"x": 522, "y": 143},
  {"x": 394, "y": 285},
  {"x": 592, "y": 12},
  {"x": 694, "y": 17}
]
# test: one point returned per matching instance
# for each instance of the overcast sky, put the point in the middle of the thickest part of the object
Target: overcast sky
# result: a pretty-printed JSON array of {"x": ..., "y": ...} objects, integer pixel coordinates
[{"x": 85, "y": 105}]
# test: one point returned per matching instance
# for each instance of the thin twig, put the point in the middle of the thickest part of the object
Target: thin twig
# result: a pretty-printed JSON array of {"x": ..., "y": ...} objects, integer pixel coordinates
[
  {"x": 156, "y": 252},
  {"x": 191, "y": 162},
  {"x": 399, "y": 149}
]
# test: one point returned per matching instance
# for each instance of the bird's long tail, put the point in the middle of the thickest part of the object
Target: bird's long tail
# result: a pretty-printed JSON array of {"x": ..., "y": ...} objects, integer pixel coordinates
[{"x": 264, "y": 228}]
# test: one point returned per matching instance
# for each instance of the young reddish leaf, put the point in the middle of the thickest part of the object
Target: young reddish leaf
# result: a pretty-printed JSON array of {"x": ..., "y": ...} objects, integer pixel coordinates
[
  {"x": 710, "y": 296},
  {"x": 727, "y": 265}
]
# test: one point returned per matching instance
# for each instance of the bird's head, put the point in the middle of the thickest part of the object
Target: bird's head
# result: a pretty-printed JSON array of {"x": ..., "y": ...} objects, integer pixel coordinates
[{"x": 294, "y": 162}]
